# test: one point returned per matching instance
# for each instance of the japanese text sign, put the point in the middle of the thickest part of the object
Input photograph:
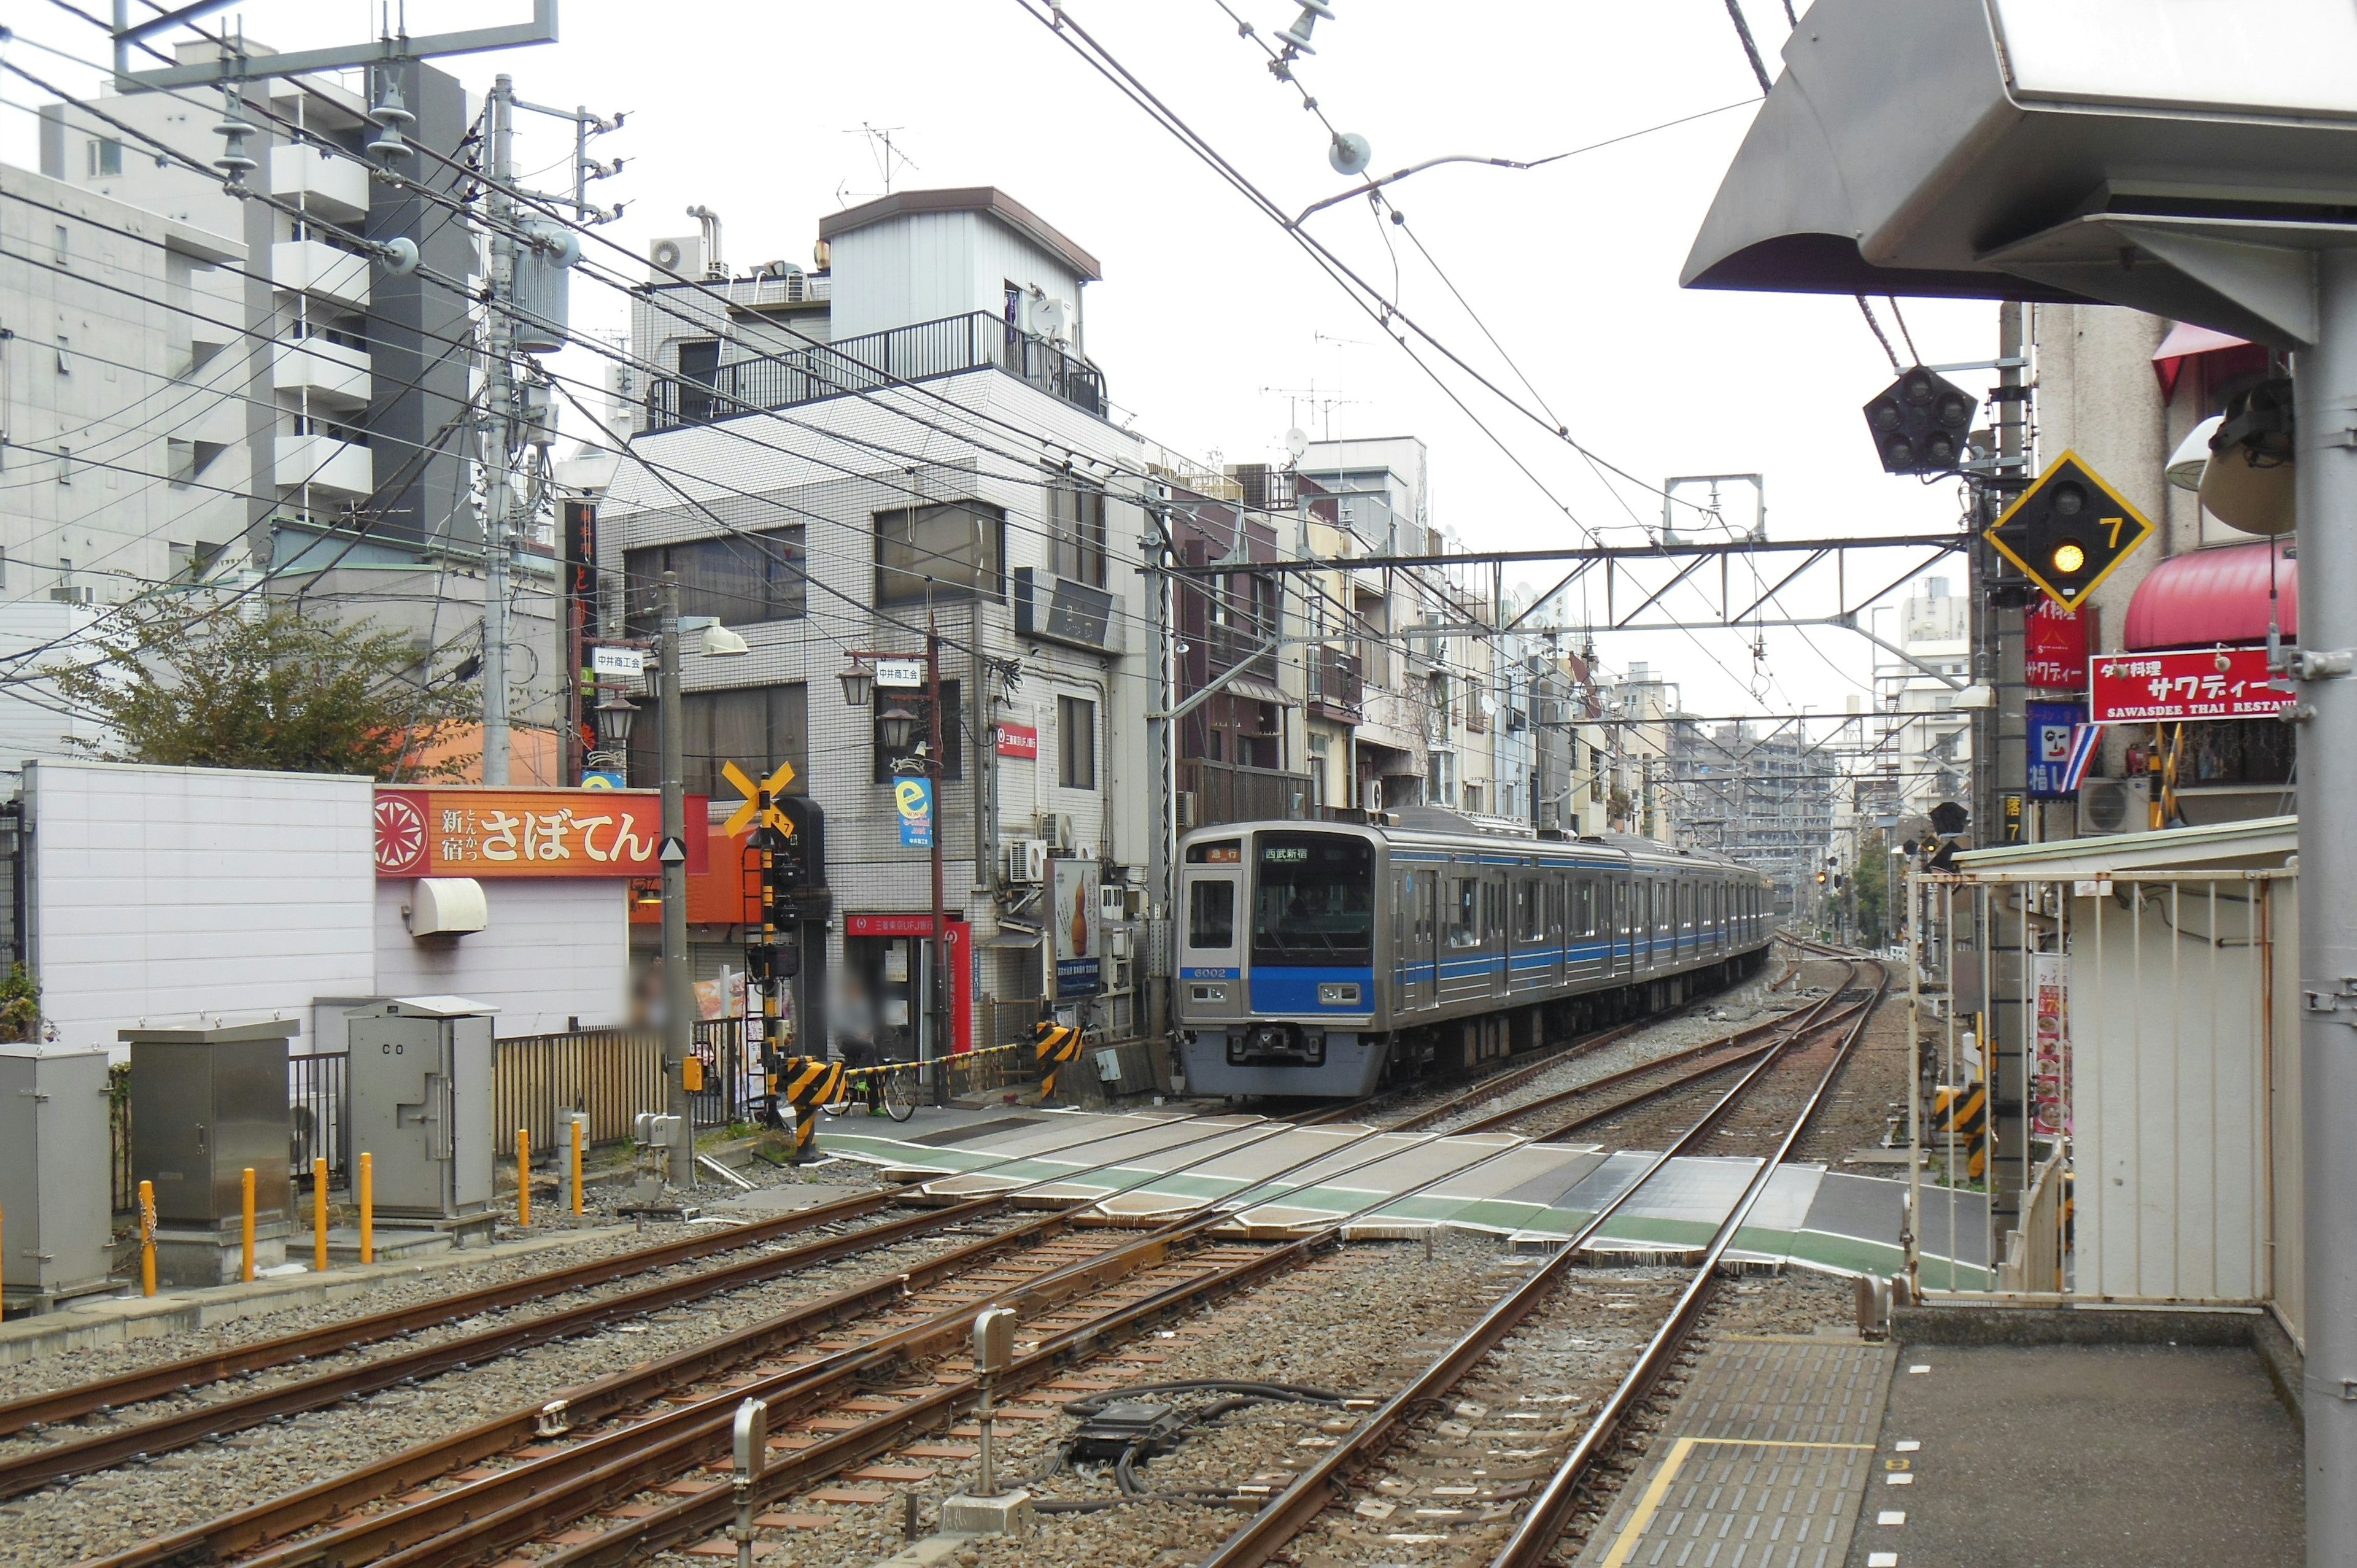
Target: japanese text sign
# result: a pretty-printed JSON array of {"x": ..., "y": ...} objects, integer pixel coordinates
[
  {"x": 2055, "y": 654},
  {"x": 2049, "y": 726},
  {"x": 1018, "y": 740},
  {"x": 481, "y": 832},
  {"x": 2181, "y": 685}
]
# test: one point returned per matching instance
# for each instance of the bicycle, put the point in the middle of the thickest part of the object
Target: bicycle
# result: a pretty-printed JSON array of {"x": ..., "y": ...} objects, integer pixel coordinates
[{"x": 890, "y": 1087}]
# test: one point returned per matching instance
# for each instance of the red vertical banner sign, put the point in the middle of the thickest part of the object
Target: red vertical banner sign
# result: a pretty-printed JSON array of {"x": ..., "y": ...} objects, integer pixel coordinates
[
  {"x": 957, "y": 936},
  {"x": 579, "y": 578},
  {"x": 2054, "y": 655}
]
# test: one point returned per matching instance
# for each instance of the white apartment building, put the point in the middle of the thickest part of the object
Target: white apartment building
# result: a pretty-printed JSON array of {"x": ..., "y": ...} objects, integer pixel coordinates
[{"x": 1921, "y": 741}]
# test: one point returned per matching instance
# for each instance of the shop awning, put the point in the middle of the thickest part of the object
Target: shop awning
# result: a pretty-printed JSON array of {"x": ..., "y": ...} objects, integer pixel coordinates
[
  {"x": 2187, "y": 341},
  {"x": 2213, "y": 596}
]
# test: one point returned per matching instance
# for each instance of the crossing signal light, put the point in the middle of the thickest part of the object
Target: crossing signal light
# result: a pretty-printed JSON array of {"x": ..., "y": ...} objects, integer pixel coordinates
[
  {"x": 1919, "y": 422},
  {"x": 1821, "y": 879},
  {"x": 2068, "y": 530}
]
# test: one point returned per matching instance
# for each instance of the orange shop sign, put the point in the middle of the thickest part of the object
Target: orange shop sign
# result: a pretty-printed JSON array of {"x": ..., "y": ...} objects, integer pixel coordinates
[{"x": 478, "y": 830}]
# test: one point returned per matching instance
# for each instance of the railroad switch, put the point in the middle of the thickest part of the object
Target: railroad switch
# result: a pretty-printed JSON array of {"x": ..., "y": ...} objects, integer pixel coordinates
[{"x": 1147, "y": 1427}]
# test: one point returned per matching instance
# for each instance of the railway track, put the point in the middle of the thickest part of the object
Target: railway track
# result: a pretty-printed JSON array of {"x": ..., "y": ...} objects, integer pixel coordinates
[
  {"x": 1809, "y": 1056},
  {"x": 535, "y": 1471},
  {"x": 320, "y": 1387}
]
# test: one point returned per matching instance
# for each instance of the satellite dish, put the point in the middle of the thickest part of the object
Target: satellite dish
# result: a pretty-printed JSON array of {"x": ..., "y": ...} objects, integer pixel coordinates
[
  {"x": 1297, "y": 440},
  {"x": 1349, "y": 153}
]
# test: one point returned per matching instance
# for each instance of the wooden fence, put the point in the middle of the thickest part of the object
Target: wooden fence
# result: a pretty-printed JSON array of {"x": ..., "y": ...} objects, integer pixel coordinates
[{"x": 613, "y": 1074}]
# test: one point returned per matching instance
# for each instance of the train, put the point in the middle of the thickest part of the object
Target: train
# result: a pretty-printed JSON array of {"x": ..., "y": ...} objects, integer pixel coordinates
[{"x": 1328, "y": 959}]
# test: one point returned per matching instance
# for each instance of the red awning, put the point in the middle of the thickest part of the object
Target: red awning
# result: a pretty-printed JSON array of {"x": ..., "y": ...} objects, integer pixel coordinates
[
  {"x": 2213, "y": 596},
  {"x": 2184, "y": 341}
]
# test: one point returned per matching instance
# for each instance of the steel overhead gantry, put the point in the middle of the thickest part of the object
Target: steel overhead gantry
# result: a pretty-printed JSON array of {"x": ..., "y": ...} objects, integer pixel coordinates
[{"x": 1690, "y": 557}]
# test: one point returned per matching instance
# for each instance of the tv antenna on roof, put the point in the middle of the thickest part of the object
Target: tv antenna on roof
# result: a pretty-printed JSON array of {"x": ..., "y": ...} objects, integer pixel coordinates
[{"x": 888, "y": 158}]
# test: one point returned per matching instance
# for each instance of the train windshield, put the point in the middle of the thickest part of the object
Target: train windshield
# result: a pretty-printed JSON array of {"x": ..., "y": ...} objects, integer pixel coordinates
[{"x": 1313, "y": 900}]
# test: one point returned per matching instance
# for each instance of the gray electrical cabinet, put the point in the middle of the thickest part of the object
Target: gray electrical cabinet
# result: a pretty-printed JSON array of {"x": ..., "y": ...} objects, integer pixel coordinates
[
  {"x": 56, "y": 1228},
  {"x": 207, "y": 1102},
  {"x": 420, "y": 1088}
]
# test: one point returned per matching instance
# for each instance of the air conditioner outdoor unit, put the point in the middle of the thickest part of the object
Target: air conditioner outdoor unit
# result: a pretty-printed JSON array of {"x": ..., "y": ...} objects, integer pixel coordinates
[
  {"x": 2115, "y": 806},
  {"x": 1186, "y": 810},
  {"x": 673, "y": 259},
  {"x": 1056, "y": 827},
  {"x": 1027, "y": 860}
]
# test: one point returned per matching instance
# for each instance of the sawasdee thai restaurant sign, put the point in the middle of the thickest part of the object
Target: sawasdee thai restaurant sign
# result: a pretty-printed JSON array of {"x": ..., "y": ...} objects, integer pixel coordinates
[
  {"x": 478, "y": 830},
  {"x": 2181, "y": 685}
]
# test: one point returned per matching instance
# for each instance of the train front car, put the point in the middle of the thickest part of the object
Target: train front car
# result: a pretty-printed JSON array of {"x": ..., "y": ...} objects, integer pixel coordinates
[{"x": 1277, "y": 961}]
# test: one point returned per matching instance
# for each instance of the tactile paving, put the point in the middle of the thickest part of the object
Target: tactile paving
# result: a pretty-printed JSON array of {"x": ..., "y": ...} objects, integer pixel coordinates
[{"x": 1763, "y": 1463}]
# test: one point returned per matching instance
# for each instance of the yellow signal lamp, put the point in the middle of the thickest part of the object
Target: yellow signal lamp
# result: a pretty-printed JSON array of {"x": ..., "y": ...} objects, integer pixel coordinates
[{"x": 2070, "y": 557}]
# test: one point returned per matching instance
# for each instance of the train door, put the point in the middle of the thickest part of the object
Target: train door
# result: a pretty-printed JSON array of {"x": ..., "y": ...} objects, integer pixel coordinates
[
  {"x": 1416, "y": 895},
  {"x": 1620, "y": 952},
  {"x": 1211, "y": 955},
  {"x": 1651, "y": 912}
]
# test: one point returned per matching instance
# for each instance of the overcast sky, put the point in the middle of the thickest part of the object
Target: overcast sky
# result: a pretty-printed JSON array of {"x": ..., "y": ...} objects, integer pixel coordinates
[{"x": 1207, "y": 309}]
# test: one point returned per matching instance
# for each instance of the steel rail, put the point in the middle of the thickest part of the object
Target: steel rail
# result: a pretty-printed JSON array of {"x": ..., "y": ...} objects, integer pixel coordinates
[
  {"x": 714, "y": 1506},
  {"x": 1310, "y": 1493},
  {"x": 105, "y": 1395},
  {"x": 1535, "y": 1535},
  {"x": 26, "y": 1472},
  {"x": 532, "y": 1498},
  {"x": 213, "y": 1541}
]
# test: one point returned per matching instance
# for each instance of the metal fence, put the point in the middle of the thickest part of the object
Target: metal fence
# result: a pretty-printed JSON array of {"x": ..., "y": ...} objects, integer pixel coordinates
[
  {"x": 319, "y": 1102},
  {"x": 2134, "y": 1032}
]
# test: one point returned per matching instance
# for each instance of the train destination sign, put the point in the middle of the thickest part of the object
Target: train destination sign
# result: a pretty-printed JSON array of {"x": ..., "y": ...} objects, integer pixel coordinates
[{"x": 2182, "y": 686}]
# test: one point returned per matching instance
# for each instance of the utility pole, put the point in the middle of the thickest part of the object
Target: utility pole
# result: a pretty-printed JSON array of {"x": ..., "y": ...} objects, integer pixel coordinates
[
  {"x": 938, "y": 1002},
  {"x": 679, "y": 985},
  {"x": 1162, "y": 848},
  {"x": 499, "y": 435}
]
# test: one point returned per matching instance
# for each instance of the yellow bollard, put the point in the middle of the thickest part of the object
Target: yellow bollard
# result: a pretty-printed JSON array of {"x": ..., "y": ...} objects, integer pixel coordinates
[
  {"x": 576, "y": 1166},
  {"x": 146, "y": 1238},
  {"x": 523, "y": 1175},
  {"x": 320, "y": 1215},
  {"x": 245, "y": 1209},
  {"x": 367, "y": 1208}
]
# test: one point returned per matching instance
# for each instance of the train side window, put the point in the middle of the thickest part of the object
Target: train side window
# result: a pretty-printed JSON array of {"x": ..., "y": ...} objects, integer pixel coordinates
[
  {"x": 1465, "y": 913},
  {"x": 1211, "y": 914}
]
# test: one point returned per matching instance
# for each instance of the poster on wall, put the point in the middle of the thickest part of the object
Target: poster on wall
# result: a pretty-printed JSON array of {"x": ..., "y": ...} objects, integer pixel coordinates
[
  {"x": 1074, "y": 927},
  {"x": 2049, "y": 726},
  {"x": 2049, "y": 985},
  {"x": 2055, "y": 643}
]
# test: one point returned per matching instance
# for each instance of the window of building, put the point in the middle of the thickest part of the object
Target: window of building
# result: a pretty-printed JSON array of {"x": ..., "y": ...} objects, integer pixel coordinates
[
  {"x": 914, "y": 701},
  {"x": 1076, "y": 743},
  {"x": 742, "y": 578},
  {"x": 699, "y": 373},
  {"x": 953, "y": 552},
  {"x": 105, "y": 157},
  {"x": 1076, "y": 532},
  {"x": 756, "y": 727}
]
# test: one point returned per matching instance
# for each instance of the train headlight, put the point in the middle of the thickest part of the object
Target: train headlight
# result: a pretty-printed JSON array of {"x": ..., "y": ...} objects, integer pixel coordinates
[{"x": 1339, "y": 993}]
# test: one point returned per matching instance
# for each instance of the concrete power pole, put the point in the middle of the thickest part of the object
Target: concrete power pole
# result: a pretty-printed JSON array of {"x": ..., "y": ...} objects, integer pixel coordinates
[{"x": 499, "y": 437}]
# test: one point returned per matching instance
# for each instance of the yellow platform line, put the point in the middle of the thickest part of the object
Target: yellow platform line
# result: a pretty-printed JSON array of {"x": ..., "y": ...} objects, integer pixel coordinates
[{"x": 1624, "y": 1545}]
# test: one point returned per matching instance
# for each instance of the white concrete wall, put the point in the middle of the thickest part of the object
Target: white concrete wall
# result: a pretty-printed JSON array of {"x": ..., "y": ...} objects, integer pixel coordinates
[
  {"x": 163, "y": 892},
  {"x": 557, "y": 949}
]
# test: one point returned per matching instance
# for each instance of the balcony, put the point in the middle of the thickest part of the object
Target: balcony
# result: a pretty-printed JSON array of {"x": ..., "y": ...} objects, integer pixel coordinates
[
  {"x": 1336, "y": 689},
  {"x": 334, "y": 186},
  {"x": 307, "y": 266},
  {"x": 326, "y": 464},
  {"x": 1231, "y": 645},
  {"x": 328, "y": 372},
  {"x": 1231, "y": 792},
  {"x": 953, "y": 344}
]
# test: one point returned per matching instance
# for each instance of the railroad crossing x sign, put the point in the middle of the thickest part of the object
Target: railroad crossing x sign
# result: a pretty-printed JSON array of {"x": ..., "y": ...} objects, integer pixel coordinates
[{"x": 775, "y": 784}]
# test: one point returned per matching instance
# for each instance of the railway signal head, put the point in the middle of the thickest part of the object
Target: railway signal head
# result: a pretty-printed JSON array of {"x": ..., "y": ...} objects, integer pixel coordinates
[
  {"x": 2068, "y": 530},
  {"x": 1919, "y": 422}
]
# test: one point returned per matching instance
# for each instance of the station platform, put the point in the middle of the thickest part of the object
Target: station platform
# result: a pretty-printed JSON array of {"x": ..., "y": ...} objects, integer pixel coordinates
[
  {"x": 1828, "y": 1451},
  {"x": 1280, "y": 1179}
]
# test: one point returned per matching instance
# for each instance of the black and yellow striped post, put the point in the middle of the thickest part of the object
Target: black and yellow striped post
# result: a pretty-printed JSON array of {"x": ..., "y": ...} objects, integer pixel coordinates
[
  {"x": 1963, "y": 1110},
  {"x": 1054, "y": 1046},
  {"x": 805, "y": 1083}
]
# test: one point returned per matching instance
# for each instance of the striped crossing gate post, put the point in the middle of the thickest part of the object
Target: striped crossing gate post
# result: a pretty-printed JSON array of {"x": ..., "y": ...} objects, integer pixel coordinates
[
  {"x": 1054, "y": 1045},
  {"x": 805, "y": 1083},
  {"x": 1963, "y": 1110}
]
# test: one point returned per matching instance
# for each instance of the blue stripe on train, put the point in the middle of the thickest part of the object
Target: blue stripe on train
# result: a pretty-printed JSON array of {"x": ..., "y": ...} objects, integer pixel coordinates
[{"x": 1296, "y": 990}]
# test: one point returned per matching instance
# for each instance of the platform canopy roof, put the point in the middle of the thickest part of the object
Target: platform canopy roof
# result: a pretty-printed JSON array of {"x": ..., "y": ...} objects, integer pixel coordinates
[{"x": 2186, "y": 158}]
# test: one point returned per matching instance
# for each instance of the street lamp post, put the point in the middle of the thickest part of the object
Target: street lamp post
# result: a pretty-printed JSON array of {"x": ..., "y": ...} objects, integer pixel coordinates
[{"x": 896, "y": 729}]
